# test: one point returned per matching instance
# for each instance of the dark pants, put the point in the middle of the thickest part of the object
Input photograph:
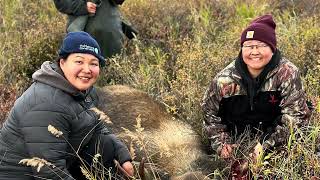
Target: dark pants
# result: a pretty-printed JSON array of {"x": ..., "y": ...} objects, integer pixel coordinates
[{"x": 103, "y": 145}]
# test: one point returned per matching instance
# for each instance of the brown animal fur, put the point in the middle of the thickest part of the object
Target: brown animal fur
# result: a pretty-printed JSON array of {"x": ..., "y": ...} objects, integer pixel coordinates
[
  {"x": 167, "y": 142},
  {"x": 124, "y": 104},
  {"x": 191, "y": 176}
]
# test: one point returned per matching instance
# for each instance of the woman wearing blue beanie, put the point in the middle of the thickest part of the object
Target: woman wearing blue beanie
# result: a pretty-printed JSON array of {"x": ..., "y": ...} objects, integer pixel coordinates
[{"x": 52, "y": 129}]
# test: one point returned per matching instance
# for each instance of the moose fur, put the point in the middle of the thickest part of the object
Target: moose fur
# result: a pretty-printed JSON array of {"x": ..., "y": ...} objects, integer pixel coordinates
[{"x": 150, "y": 132}]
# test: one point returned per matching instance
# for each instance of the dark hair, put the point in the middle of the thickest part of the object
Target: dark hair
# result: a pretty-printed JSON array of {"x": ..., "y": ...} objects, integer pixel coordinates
[{"x": 57, "y": 60}]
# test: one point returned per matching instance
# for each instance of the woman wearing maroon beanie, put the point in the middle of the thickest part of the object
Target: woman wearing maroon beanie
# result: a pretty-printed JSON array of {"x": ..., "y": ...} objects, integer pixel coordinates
[{"x": 260, "y": 91}]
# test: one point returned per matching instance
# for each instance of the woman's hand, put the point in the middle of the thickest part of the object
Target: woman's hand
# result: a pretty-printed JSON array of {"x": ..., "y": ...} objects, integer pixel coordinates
[
  {"x": 128, "y": 167},
  {"x": 91, "y": 7},
  {"x": 226, "y": 150}
]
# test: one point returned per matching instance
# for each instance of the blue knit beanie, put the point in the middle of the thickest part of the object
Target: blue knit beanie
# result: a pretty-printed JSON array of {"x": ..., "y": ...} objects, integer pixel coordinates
[{"x": 80, "y": 42}]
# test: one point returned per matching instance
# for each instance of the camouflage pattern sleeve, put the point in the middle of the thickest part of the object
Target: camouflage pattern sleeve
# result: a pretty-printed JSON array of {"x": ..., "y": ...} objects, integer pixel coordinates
[
  {"x": 212, "y": 125},
  {"x": 294, "y": 110}
]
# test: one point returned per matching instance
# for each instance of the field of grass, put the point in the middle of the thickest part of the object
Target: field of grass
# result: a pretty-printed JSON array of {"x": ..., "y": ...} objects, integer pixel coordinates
[{"x": 181, "y": 45}]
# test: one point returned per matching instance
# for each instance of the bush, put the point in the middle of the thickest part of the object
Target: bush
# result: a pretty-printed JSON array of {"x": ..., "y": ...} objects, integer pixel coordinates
[
  {"x": 31, "y": 33},
  {"x": 7, "y": 97}
]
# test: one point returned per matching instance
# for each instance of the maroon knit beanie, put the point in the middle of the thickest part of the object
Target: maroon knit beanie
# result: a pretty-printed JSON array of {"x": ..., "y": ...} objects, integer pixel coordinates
[{"x": 262, "y": 29}]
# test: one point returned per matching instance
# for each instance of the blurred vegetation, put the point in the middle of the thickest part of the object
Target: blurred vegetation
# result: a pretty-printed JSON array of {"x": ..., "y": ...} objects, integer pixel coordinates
[{"x": 181, "y": 45}]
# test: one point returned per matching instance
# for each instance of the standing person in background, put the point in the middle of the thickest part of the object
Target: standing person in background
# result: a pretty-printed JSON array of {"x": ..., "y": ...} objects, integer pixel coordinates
[
  {"x": 57, "y": 104},
  {"x": 261, "y": 91},
  {"x": 101, "y": 19}
]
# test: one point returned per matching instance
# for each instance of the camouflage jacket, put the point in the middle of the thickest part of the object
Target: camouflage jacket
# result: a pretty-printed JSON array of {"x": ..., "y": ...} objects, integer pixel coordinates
[{"x": 280, "y": 104}]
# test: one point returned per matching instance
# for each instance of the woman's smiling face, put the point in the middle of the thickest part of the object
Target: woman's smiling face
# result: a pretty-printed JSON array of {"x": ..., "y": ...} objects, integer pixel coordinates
[
  {"x": 81, "y": 70},
  {"x": 256, "y": 55}
]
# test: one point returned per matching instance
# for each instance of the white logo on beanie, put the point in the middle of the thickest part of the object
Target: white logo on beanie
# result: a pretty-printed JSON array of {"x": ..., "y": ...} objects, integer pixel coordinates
[
  {"x": 250, "y": 34},
  {"x": 88, "y": 48}
]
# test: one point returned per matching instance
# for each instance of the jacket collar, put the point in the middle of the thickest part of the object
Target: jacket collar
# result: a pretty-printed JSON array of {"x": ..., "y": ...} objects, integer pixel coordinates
[{"x": 235, "y": 74}]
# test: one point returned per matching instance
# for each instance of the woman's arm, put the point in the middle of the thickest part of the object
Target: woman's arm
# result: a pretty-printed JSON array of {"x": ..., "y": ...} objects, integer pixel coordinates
[
  {"x": 72, "y": 7},
  {"x": 41, "y": 143},
  {"x": 294, "y": 110},
  {"x": 213, "y": 126}
]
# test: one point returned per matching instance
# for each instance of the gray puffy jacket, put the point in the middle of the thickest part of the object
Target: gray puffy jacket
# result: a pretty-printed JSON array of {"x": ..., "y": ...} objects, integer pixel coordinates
[{"x": 50, "y": 100}]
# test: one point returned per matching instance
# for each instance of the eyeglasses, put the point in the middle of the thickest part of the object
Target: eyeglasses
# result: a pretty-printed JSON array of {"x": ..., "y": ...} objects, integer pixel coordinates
[{"x": 251, "y": 47}]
